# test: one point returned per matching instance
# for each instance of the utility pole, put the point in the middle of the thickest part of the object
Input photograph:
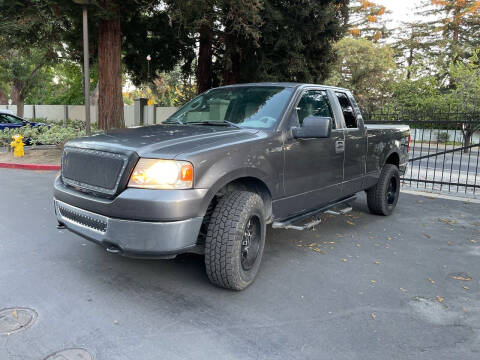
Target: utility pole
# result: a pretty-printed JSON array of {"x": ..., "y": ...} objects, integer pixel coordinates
[{"x": 86, "y": 65}]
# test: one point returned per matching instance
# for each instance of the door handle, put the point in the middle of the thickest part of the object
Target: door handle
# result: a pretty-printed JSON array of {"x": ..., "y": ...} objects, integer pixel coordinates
[{"x": 339, "y": 146}]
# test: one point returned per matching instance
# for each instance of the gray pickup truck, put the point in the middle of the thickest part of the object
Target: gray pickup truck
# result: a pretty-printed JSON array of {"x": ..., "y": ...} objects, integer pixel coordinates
[{"x": 232, "y": 160}]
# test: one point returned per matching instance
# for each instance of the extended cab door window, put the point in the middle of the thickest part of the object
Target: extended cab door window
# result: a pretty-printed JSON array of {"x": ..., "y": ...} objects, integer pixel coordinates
[
  {"x": 355, "y": 145},
  {"x": 347, "y": 110},
  {"x": 313, "y": 166}
]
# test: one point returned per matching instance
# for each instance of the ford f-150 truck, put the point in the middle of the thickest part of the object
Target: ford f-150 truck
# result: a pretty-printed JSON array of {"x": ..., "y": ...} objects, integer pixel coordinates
[{"x": 211, "y": 177}]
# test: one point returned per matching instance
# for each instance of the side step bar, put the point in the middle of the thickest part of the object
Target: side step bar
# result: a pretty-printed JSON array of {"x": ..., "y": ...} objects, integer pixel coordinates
[{"x": 289, "y": 223}]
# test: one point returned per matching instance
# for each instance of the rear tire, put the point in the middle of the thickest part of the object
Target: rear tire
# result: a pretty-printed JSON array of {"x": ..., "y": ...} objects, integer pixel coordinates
[
  {"x": 235, "y": 240},
  {"x": 382, "y": 198}
]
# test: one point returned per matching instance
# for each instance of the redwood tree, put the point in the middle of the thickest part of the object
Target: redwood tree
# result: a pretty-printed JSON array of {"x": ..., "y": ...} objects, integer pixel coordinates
[{"x": 110, "y": 100}]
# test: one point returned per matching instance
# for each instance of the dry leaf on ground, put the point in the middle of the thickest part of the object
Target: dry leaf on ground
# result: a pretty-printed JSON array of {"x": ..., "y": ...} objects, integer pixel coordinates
[
  {"x": 447, "y": 221},
  {"x": 461, "y": 277}
]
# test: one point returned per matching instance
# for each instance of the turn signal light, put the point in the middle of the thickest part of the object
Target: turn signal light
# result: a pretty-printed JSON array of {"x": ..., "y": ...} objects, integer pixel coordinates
[{"x": 186, "y": 172}]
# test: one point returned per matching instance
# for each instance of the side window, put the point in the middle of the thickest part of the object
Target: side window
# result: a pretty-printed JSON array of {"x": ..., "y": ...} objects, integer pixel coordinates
[
  {"x": 9, "y": 119},
  {"x": 313, "y": 103},
  {"x": 347, "y": 110},
  {"x": 3, "y": 119},
  {"x": 13, "y": 119}
]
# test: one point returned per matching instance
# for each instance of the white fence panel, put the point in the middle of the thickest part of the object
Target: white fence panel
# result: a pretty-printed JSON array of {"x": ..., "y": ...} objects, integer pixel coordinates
[
  {"x": 151, "y": 115},
  {"x": 163, "y": 113},
  {"x": 129, "y": 115}
]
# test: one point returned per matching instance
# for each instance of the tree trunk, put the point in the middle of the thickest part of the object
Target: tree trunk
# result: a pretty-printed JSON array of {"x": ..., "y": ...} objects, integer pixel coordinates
[
  {"x": 110, "y": 101},
  {"x": 467, "y": 140},
  {"x": 410, "y": 57},
  {"x": 3, "y": 98},
  {"x": 231, "y": 67},
  {"x": 94, "y": 96},
  {"x": 205, "y": 53},
  {"x": 18, "y": 96}
]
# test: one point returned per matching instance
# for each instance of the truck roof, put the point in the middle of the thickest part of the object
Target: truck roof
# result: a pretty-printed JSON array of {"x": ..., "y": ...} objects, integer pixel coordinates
[{"x": 285, "y": 84}]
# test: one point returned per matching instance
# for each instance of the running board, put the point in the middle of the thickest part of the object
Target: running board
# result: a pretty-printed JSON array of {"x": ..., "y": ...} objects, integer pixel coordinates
[{"x": 289, "y": 223}]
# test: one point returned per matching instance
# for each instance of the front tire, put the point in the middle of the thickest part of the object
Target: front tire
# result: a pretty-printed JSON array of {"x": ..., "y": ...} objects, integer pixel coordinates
[
  {"x": 382, "y": 198},
  {"x": 235, "y": 240}
]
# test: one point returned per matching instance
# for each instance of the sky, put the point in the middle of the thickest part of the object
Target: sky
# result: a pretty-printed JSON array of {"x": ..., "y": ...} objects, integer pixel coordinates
[{"x": 401, "y": 10}]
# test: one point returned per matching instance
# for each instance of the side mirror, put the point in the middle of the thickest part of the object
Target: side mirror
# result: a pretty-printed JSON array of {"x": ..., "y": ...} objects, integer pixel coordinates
[{"x": 313, "y": 127}]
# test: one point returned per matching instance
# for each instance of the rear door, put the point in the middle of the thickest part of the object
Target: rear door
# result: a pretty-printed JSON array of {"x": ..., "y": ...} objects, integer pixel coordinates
[
  {"x": 355, "y": 143},
  {"x": 313, "y": 167}
]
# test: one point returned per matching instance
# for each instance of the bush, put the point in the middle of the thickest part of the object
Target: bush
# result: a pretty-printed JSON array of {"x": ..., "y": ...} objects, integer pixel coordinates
[
  {"x": 56, "y": 135},
  {"x": 52, "y": 135},
  {"x": 26, "y": 131},
  {"x": 443, "y": 137},
  {"x": 75, "y": 124}
]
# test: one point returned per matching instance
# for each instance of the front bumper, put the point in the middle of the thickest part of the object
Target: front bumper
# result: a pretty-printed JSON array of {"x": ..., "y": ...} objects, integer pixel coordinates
[
  {"x": 138, "y": 204},
  {"x": 131, "y": 238}
]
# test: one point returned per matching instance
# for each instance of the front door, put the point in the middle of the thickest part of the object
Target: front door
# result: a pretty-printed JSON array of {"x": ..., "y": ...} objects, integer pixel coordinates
[{"x": 313, "y": 167}]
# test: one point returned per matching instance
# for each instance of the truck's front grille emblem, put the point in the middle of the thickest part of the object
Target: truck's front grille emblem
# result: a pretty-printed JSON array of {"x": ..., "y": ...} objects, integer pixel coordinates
[{"x": 83, "y": 220}]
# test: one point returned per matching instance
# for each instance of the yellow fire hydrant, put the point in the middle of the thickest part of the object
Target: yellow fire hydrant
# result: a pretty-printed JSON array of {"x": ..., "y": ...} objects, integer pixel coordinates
[{"x": 17, "y": 145}]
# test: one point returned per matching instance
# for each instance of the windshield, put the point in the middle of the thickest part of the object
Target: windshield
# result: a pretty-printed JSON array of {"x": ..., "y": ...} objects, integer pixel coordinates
[{"x": 257, "y": 107}]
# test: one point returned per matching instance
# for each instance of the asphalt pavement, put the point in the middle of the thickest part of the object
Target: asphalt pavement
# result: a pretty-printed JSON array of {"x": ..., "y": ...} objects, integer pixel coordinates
[{"x": 358, "y": 287}]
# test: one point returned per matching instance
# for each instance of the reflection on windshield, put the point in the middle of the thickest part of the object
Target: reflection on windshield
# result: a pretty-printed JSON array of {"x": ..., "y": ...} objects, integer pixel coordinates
[{"x": 257, "y": 107}]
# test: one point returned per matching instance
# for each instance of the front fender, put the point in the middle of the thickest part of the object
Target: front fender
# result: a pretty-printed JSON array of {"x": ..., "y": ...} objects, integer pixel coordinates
[{"x": 231, "y": 176}]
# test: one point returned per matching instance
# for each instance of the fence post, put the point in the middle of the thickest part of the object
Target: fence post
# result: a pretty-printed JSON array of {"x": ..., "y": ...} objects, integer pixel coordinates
[
  {"x": 65, "y": 115},
  {"x": 138, "y": 114},
  {"x": 34, "y": 113}
]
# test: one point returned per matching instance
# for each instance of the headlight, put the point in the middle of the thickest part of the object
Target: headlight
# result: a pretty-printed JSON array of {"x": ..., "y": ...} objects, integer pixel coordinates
[{"x": 162, "y": 174}]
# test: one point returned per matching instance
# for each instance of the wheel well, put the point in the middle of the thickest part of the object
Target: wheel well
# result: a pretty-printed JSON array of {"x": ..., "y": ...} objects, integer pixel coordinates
[
  {"x": 393, "y": 159},
  {"x": 249, "y": 184}
]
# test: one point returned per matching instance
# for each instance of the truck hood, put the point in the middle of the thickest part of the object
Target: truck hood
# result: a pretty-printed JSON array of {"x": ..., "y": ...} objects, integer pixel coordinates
[{"x": 164, "y": 141}]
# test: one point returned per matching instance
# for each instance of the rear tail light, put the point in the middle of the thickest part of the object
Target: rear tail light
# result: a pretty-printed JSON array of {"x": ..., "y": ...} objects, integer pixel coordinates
[{"x": 408, "y": 147}]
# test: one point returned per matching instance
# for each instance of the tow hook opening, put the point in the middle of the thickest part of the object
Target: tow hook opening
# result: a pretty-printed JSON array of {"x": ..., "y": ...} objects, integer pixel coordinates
[
  {"x": 61, "y": 226},
  {"x": 113, "y": 249}
]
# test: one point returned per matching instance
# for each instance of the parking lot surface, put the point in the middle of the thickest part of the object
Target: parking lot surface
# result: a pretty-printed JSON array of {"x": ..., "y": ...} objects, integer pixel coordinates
[{"x": 358, "y": 287}]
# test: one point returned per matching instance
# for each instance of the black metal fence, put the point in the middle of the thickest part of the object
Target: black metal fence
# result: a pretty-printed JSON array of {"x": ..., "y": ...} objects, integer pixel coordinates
[{"x": 444, "y": 149}]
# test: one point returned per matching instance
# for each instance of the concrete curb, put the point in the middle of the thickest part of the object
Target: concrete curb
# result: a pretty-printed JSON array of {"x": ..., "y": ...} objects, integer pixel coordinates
[
  {"x": 44, "y": 167},
  {"x": 441, "y": 196}
]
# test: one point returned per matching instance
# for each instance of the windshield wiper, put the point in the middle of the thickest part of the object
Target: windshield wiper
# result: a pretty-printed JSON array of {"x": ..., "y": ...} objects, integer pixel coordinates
[
  {"x": 177, "y": 121},
  {"x": 214, "y": 123}
]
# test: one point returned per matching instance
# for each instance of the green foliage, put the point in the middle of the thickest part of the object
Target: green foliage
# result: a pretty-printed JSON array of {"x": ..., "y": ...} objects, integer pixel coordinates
[
  {"x": 443, "y": 137},
  {"x": 26, "y": 131},
  {"x": 30, "y": 34},
  {"x": 466, "y": 77},
  {"x": 55, "y": 134},
  {"x": 154, "y": 33},
  {"x": 421, "y": 93},
  {"x": 62, "y": 83},
  {"x": 365, "y": 68},
  {"x": 170, "y": 89},
  {"x": 295, "y": 48},
  {"x": 245, "y": 41}
]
